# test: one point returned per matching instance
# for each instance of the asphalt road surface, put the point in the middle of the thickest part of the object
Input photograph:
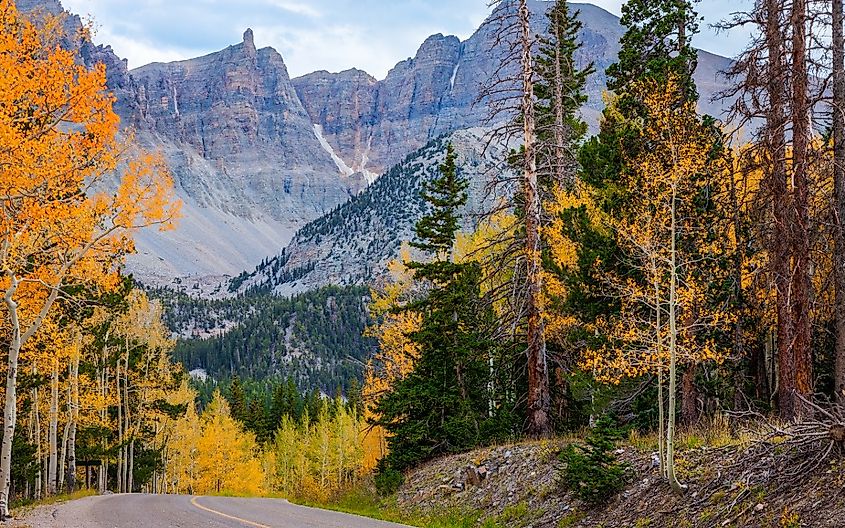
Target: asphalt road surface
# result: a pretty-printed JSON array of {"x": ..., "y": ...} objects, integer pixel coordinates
[{"x": 179, "y": 511}]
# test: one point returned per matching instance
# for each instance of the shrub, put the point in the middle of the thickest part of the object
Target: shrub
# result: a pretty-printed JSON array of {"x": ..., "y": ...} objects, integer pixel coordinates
[
  {"x": 388, "y": 480},
  {"x": 592, "y": 471}
]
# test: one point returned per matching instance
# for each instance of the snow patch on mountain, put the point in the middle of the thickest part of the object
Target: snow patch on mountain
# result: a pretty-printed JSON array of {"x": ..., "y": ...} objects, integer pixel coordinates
[{"x": 344, "y": 169}]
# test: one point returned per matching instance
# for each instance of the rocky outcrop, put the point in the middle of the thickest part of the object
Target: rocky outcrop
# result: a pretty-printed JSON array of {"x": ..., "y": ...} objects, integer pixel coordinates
[
  {"x": 238, "y": 110},
  {"x": 523, "y": 486},
  {"x": 249, "y": 166},
  {"x": 354, "y": 243}
]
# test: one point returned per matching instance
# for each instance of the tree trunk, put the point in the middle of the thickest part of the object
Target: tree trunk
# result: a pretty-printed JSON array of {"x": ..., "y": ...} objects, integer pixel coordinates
[
  {"x": 130, "y": 485},
  {"x": 690, "y": 396},
  {"x": 10, "y": 409},
  {"x": 780, "y": 252},
  {"x": 126, "y": 426},
  {"x": 70, "y": 479},
  {"x": 539, "y": 401},
  {"x": 37, "y": 428},
  {"x": 801, "y": 282},
  {"x": 661, "y": 411},
  {"x": 119, "y": 428},
  {"x": 60, "y": 472},
  {"x": 673, "y": 351},
  {"x": 54, "y": 426},
  {"x": 839, "y": 194}
]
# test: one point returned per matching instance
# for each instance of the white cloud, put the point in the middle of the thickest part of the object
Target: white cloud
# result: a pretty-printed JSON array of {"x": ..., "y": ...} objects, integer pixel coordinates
[
  {"x": 314, "y": 34},
  {"x": 139, "y": 53},
  {"x": 298, "y": 8},
  {"x": 333, "y": 48}
]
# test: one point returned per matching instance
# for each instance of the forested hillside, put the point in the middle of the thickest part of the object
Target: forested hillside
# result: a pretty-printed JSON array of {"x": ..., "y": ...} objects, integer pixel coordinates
[
  {"x": 354, "y": 242},
  {"x": 315, "y": 338}
]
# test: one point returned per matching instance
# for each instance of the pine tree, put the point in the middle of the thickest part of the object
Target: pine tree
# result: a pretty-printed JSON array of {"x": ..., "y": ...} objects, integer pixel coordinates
[
  {"x": 441, "y": 406},
  {"x": 657, "y": 43},
  {"x": 560, "y": 131},
  {"x": 237, "y": 400},
  {"x": 436, "y": 231},
  {"x": 559, "y": 92},
  {"x": 655, "y": 48}
]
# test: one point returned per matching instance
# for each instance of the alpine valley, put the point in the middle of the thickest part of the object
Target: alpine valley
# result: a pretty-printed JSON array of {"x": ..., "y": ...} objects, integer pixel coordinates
[{"x": 290, "y": 186}]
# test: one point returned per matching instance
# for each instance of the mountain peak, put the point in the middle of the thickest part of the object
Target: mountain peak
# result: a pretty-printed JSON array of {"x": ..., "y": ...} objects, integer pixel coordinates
[{"x": 249, "y": 38}]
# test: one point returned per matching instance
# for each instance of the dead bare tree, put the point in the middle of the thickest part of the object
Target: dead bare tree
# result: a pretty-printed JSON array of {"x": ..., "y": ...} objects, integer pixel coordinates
[
  {"x": 511, "y": 99},
  {"x": 800, "y": 282},
  {"x": 838, "y": 108}
]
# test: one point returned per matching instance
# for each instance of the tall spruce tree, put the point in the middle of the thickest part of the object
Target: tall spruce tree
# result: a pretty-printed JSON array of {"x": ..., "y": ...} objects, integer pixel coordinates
[
  {"x": 656, "y": 44},
  {"x": 237, "y": 400},
  {"x": 656, "y": 47},
  {"x": 559, "y": 93},
  {"x": 441, "y": 406}
]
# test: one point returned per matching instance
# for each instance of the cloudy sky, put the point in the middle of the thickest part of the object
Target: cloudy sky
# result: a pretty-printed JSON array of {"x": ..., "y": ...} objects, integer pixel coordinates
[{"x": 314, "y": 34}]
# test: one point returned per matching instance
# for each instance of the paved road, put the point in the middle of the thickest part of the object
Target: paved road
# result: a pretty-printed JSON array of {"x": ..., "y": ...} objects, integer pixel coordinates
[{"x": 177, "y": 511}]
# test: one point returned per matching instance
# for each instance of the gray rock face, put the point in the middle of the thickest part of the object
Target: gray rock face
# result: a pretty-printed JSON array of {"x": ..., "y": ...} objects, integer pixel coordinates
[
  {"x": 437, "y": 90},
  {"x": 245, "y": 154},
  {"x": 354, "y": 243},
  {"x": 248, "y": 163},
  {"x": 238, "y": 110}
]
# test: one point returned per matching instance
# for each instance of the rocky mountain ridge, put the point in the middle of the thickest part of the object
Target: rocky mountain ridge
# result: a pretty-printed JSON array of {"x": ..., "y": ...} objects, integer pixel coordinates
[
  {"x": 257, "y": 155},
  {"x": 354, "y": 243},
  {"x": 373, "y": 124}
]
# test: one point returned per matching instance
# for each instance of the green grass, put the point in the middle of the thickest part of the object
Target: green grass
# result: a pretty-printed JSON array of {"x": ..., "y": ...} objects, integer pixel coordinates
[{"x": 23, "y": 505}]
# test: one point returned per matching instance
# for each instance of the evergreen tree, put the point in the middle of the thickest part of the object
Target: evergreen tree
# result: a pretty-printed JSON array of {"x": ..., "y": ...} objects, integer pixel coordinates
[
  {"x": 237, "y": 400},
  {"x": 592, "y": 471},
  {"x": 435, "y": 231},
  {"x": 657, "y": 43},
  {"x": 559, "y": 91},
  {"x": 441, "y": 406},
  {"x": 354, "y": 399},
  {"x": 256, "y": 420},
  {"x": 656, "y": 47}
]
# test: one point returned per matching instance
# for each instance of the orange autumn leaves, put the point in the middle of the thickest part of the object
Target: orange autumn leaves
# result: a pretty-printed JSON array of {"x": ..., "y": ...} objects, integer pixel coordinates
[
  {"x": 635, "y": 341},
  {"x": 65, "y": 217},
  {"x": 69, "y": 197}
]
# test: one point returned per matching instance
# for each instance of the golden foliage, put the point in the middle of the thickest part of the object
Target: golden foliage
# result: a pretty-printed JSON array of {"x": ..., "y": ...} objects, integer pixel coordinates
[
  {"x": 320, "y": 457},
  {"x": 212, "y": 454}
]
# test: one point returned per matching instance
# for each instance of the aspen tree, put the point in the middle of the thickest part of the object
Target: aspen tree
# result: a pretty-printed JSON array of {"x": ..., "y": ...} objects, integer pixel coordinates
[{"x": 53, "y": 155}]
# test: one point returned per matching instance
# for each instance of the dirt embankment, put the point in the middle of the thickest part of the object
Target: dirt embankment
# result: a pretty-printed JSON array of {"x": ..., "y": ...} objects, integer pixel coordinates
[{"x": 732, "y": 485}]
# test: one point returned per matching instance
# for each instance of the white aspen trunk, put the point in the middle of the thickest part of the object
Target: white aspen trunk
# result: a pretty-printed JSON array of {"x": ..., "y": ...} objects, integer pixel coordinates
[
  {"x": 45, "y": 463},
  {"x": 53, "y": 432},
  {"x": 60, "y": 476},
  {"x": 10, "y": 407},
  {"x": 126, "y": 426},
  {"x": 131, "y": 468},
  {"x": 37, "y": 428},
  {"x": 119, "y": 428},
  {"x": 673, "y": 350},
  {"x": 103, "y": 472},
  {"x": 31, "y": 436},
  {"x": 74, "y": 419},
  {"x": 661, "y": 411}
]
